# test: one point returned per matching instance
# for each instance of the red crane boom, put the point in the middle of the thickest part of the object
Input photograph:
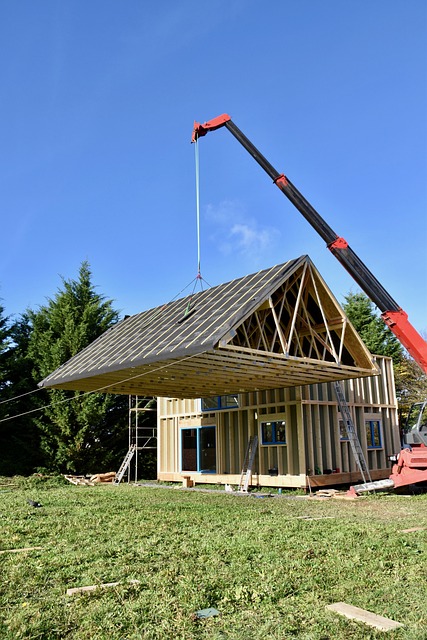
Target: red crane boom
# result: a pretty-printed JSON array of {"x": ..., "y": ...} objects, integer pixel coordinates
[{"x": 392, "y": 314}]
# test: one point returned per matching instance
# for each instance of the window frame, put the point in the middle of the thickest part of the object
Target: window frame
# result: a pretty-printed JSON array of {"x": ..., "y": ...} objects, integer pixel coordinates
[
  {"x": 199, "y": 465},
  {"x": 220, "y": 404},
  {"x": 264, "y": 420},
  {"x": 370, "y": 440},
  {"x": 342, "y": 430}
]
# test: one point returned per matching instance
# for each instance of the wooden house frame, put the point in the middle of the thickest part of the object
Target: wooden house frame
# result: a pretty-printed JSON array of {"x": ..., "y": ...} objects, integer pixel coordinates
[
  {"x": 274, "y": 339},
  {"x": 312, "y": 450}
]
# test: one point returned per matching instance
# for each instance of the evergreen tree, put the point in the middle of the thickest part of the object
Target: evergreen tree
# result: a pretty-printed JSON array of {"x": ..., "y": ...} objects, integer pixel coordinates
[
  {"x": 79, "y": 432},
  {"x": 4, "y": 345},
  {"x": 378, "y": 338},
  {"x": 19, "y": 441},
  {"x": 410, "y": 380}
]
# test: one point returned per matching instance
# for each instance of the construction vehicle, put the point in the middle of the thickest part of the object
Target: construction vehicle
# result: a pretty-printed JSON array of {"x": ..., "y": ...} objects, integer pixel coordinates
[{"x": 410, "y": 464}]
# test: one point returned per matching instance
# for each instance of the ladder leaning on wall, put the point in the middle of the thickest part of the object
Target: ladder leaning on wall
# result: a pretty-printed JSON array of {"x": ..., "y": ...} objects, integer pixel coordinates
[
  {"x": 351, "y": 432},
  {"x": 125, "y": 464},
  {"x": 247, "y": 464}
]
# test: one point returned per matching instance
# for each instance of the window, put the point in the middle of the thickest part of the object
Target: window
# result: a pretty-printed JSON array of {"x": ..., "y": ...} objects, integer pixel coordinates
[
  {"x": 198, "y": 450},
  {"x": 273, "y": 432},
  {"x": 343, "y": 430},
  {"x": 216, "y": 403},
  {"x": 373, "y": 434}
]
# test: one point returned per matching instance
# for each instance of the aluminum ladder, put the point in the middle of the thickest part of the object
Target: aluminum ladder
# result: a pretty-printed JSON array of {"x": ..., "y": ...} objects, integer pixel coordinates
[
  {"x": 125, "y": 464},
  {"x": 251, "y": 450},
  {"x": 351, "y": 433}
]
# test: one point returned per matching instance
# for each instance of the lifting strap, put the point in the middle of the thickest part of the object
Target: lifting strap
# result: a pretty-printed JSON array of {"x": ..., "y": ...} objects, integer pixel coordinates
[{"x": 196, "y": 153}]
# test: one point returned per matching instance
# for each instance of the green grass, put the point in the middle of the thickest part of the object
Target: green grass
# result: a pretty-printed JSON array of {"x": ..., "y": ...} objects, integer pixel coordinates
[{"x": 267, "y": 570}]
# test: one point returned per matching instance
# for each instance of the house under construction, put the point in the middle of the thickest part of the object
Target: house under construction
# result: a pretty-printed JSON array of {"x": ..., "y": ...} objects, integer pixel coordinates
[{"x": 253, "y": 357}]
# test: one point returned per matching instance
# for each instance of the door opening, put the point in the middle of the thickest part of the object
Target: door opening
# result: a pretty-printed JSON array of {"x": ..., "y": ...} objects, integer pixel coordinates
[{"x": 198, "y": 449}]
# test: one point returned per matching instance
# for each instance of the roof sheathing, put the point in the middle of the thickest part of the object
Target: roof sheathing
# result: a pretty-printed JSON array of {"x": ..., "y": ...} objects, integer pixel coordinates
[{"x": 163, "y": 351}]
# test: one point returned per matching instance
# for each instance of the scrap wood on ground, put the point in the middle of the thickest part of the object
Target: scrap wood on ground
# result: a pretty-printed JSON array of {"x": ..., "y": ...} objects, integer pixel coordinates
[
  {"x": 94, "y": 587},
  {"x": 332, "y": 493},
  {"x": 90, "y": 481},
  {"x": 369, "y": 618},
  {"x": 21, "y": 550}
]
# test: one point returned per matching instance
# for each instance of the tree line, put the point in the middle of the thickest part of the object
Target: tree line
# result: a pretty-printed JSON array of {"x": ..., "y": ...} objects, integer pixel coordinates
[
  {"x": 410, "y": 381},
  {"x": 57, "y": 430},
  {"x": 74, "y": 432}
]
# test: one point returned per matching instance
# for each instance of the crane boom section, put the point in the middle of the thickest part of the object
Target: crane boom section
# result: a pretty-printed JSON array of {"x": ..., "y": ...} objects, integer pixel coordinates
[{"x": 392, "y": 314}]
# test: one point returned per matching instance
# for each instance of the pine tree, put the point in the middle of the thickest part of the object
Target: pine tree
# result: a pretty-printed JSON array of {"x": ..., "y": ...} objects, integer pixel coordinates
[
  {"x": 410, "y": 380},
  {"x": 4, "y": 345},
  {"x": 19, "y": 441},
  {"x": 378, "y": 338},
  {"x": 79, "y": 432}
]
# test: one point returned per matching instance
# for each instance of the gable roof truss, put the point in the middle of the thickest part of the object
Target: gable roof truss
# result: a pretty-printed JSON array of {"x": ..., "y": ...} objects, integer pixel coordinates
[{"x": 292, "y": 322}]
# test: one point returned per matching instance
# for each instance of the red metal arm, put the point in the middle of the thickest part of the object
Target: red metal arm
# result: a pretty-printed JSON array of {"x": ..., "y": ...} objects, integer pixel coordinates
[
  {"x": 391, "y": 312},
  {"x": 398, "y": 323},
  {"x": 200, "y": 130}
]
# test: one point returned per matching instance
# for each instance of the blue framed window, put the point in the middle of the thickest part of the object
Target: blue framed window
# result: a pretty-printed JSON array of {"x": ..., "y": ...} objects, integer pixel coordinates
[
  {"x": 198, "y": 449},
  {"x": 217, "y": 403},
  {"x": 343, "y": 430},
  {"x": 273, "y": 432},
  {"x": 373, "y": 434}
]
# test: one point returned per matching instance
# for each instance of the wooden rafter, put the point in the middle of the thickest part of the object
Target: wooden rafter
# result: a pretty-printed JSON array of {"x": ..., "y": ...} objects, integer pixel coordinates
[{"x": 282, "y": 339}]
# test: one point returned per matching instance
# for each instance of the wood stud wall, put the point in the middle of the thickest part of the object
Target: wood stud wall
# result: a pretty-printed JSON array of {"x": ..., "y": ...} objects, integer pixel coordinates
[{"x": 312, "y": 430}]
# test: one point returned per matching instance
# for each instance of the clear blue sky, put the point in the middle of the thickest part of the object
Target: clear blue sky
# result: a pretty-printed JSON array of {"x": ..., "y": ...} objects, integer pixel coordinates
[{"x": 98, "y": 103}]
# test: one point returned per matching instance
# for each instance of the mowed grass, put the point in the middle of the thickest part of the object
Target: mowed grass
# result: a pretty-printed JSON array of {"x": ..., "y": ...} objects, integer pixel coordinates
[{"x": 269, "y": 565}]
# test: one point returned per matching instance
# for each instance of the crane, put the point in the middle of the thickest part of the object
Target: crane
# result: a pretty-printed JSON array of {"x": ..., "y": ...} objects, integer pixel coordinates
[
  {"x": 392, "y": 314},
  {"x": 410, "y": 464}
]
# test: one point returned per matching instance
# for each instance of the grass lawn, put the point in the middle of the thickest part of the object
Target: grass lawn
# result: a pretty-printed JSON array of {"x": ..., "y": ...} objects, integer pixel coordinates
[{"x": 269, "y": 565}]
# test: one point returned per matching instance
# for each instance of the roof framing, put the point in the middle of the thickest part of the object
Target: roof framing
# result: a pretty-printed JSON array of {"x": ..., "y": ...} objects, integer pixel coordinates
[{"x": 280, "y": 327}]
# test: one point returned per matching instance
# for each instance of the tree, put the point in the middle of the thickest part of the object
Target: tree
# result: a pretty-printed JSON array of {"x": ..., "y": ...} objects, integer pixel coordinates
[
  {"x": 378, "y": 338},
  {"x": 410, "y": 381},
  {"x": 19, "y": 440},
  {"x": 79, "y": 432},
  {"x": 4, "y": 345},
  {"x": 411, "y": 385}
]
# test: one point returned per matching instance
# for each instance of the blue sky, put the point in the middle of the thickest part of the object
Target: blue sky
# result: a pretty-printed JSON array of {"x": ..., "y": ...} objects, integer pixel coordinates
[{"x": 98, "y": 103}]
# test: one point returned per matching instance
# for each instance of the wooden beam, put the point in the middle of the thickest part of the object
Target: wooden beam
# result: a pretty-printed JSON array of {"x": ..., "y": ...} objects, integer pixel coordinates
[
  {"x": 371, "y": 619},
  {"x": 21, "y": 550},
  {"x": 93, "y": 587},
  {"x": 282, "y": 338}
]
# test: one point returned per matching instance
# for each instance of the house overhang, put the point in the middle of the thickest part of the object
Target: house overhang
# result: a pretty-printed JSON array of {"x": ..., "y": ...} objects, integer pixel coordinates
[
  {"x": 279, "y": 328},
  {"x": 214, "y": 373}
]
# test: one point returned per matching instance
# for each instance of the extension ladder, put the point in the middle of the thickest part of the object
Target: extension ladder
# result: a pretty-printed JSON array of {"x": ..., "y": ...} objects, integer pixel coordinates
[
  {"x": 125, "y": 464},
  {"x": 351, "y": 433},
  {"x": 247, "y": 464}
]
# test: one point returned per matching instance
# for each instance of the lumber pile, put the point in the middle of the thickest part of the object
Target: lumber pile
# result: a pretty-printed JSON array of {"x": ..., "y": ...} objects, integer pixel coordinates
[
  {"x": 79, "y": 480},
  {"x": 333, "y": 493},
  {"x": 92, "y": 480},
  {"x": 103, "y": 477}
]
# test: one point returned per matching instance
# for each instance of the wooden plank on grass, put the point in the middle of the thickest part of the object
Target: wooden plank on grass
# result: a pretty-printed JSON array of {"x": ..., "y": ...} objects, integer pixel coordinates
[
  {"x": 316, "y": 518},
  {"x": 412, "y": 530},
  {"x": 371, "y": 619},
  {"x": 93, "y": 587},
  {"x": 19, "y": 550}
]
